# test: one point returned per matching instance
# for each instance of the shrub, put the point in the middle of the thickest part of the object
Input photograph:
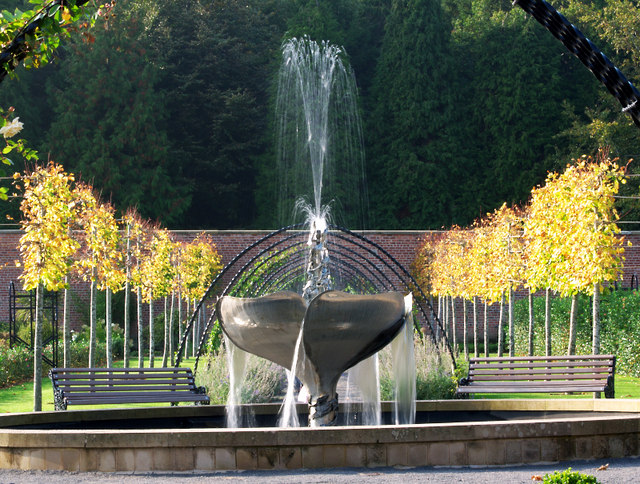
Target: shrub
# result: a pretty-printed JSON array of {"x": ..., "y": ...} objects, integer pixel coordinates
[
  {"x": 80, "y": 345},
  {"x": 434, "y": 378},
  {"x": 16, "y": 365},
  {"x": 264, "y": 381},
  {"x": 619, "y": 334},
  {"x": 569, "y": 477},
  {"x": 79, "y": 354}
]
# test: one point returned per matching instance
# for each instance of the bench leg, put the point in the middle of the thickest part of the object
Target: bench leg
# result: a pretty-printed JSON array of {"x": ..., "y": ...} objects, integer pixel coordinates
[
  {"x": 59, "y": 402},
  {"x": 610, "y": 390}
]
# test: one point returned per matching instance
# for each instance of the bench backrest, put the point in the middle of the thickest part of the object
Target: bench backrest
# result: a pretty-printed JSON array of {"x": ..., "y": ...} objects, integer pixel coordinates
[
  {"x": 107, "y": 380},
  {"x": 542, "y": 368}
]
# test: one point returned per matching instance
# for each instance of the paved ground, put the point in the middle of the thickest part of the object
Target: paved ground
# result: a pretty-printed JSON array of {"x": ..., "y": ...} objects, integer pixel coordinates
[{"x": 619, "y": 471}]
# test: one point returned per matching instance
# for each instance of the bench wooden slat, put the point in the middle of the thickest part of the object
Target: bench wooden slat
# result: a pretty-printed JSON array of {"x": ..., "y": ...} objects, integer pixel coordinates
[
  {"x": 86, "y": 400},
  {"x": 491, "y": 359},
  {"x": 536, "y": 371},
  {"x": 124, "y": 391},
  {"x": 540, "y": 374},
  {"x": 569, "y": 366},
  {"x": 144, "y": 381},
  {"x": 85, "y": 386}
]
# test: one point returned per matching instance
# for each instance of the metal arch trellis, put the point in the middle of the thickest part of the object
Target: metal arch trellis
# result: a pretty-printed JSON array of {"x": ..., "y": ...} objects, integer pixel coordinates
[
  {"x": 294, "y": 267},
  {"x": 265, "y": 261},
  {"x": 378, "y": 275},
  {"x": 413, "y": 287},
  {"x": 585, "y": 50},
  {"x": 218, "y": 278},
  {"x": 364, "y": 270},
  {"x": 373, "y": 270}
]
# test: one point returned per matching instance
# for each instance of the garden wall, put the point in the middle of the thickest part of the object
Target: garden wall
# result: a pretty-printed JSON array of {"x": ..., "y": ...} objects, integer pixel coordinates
[{"x": 402, "y": 245}]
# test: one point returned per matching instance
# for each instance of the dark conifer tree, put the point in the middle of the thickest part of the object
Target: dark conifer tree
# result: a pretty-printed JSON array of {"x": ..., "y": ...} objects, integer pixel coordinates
[
  {"x": 517, "y": 83},
  {"x": 217, "y": 61},
  {"x": 409, "y": 156},
  {"x": 108, "y": 122}
]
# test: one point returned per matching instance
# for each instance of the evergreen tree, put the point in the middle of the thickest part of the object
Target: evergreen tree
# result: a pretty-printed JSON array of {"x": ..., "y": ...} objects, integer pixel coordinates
[
  {"x": 108, "y": 129},
  {"x": 517, "y": 84},
  {"x": 216, "y": 63},
  {"x": 409, "y": 159}
]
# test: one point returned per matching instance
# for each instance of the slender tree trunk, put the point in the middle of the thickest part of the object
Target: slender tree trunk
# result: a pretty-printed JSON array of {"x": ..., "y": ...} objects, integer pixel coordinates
[
  {"x": 512, "y": 332},
  {"x": 93, "y": 337},
  {"x": 140, "y": 332},
  {"x": 486, "y": 329},
  {"x": 66, "y": 328},
  {"x": 547, "y": 322},
  {"x": 571, "y": 350},
  {"x": 127, "y": 299},
  {"x": 531, "y": 323},
  {"x": 151, "y": 341},
  {"x": 440, "y": 311},
  {"x": 107, "y": 322},
  {"x": 445, "y": 327},
  {"x": 476, "y": 351},
  {"x": 171, "y": 349},
  {"x": 37, "y": 351},
  {"x": 181, "y": 323},
  {"x": 185, "y": 336},
  {"x": 501, "y": 325},
  {"x": 465, "y": 333},
  {"x": 165, "y": 346},
  {"x": 194, "y": 331},
  {"x": 596, "y": 319},
  {"x": 454, "y": 329}
]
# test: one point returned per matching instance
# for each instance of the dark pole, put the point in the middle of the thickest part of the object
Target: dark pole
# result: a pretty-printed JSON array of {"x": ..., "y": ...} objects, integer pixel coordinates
[{"x": 585, "y": 50}]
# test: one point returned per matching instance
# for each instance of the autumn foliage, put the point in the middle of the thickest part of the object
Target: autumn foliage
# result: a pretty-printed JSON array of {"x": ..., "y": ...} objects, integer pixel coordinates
[{"x": 566, "y": 239}]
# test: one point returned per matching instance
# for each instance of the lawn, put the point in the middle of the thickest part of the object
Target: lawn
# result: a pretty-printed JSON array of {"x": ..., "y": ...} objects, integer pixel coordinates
[{"x": 19, "y": 398}]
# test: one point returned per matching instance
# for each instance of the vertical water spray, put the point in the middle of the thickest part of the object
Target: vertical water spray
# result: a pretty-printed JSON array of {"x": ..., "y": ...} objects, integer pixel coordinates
[{"x": 318, "y": 127}]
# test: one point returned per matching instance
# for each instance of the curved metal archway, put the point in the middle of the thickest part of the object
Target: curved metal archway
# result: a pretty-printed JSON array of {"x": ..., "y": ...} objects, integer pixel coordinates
[
  {"x": 585, "y": 50},
  {"x": 277, "y": 261}
]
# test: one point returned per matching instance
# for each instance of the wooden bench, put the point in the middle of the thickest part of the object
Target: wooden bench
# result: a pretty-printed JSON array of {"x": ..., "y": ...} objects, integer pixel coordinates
[
  {"x": 540, "y": 374},
  {"x": 94, "y": 386}
]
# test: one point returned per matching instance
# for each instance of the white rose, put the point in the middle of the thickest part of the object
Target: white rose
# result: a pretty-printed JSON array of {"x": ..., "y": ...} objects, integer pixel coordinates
[{"x": 11, "y": 129}]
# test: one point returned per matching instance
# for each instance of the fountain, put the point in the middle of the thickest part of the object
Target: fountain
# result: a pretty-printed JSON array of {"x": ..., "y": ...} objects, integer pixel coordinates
[
  {"x": 445, "y": 433},
  {"x": 322, "y": 333}
]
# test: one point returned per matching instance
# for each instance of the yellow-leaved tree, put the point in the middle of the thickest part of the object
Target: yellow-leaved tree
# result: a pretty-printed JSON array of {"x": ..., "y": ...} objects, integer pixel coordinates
[
  {"x": 101, "y": 262},
  {"x": 48, "y": 207},
  {"x": 198, "y": 266},
  {"x": 573, "y": 242},
  {"x": 155, "y": 274},
  {"x": 505, "y": 268},
  {"x": 138, "y": 238}
]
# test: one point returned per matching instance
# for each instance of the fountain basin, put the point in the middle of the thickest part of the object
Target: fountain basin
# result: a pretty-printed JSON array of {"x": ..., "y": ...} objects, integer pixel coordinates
[{"x": 155, "y": 439}]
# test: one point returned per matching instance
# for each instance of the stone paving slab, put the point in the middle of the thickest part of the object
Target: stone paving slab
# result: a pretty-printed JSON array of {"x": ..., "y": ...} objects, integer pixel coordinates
[{"x": 618, "y": 471}]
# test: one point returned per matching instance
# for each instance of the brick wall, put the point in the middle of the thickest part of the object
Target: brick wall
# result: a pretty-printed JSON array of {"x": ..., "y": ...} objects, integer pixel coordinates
[{"x": 402, "y": 245}]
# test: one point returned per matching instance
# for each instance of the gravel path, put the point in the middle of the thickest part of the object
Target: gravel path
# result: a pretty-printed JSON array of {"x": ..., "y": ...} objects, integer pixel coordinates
[{"x": 618, "y": 471}]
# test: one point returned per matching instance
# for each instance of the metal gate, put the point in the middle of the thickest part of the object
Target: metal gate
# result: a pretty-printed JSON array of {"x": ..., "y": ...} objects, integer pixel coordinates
[{"x": 22, "y": 316}]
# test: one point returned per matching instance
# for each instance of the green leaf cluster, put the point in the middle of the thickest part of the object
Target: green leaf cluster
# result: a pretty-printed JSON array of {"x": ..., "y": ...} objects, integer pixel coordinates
[{"x": 569, "y": 476}]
